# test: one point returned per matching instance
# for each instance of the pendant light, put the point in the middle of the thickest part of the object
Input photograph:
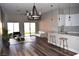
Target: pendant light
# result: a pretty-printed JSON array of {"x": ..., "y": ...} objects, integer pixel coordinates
[
  {"x": 34, "y": 14},
  {"x": 69, "y": 14},
  {"x": 59, "y": 13}
]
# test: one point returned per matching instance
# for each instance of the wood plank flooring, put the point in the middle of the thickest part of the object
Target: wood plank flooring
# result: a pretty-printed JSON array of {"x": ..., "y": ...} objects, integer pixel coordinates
[{"x": 39, "y": 47}]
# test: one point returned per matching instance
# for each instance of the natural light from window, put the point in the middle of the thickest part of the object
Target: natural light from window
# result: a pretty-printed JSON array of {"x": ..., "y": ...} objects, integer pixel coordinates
[{"x": 13, "y": 27}]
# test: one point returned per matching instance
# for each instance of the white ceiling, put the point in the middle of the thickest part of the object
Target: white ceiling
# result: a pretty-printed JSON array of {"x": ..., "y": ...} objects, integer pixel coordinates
[{"x": 19, "y": 8}]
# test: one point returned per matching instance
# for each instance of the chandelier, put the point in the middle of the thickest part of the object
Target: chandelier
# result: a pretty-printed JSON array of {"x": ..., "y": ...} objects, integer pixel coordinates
[{"x": 34, "y": 14}]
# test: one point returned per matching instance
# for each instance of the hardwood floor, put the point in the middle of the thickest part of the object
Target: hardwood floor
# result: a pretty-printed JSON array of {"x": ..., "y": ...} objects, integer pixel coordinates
[{"x": 39, "y": 47}]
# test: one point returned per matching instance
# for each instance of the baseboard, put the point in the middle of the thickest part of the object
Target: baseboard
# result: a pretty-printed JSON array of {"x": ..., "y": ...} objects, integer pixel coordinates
[
  {"x": 75, "y": 51},
  {"x": 70, "y": 49}
]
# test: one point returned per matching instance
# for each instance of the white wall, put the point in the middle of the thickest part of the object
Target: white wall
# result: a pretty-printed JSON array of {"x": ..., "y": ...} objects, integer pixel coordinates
[
  {"x": 49, "y": 22},
  {"x": 16, "y": 18}
]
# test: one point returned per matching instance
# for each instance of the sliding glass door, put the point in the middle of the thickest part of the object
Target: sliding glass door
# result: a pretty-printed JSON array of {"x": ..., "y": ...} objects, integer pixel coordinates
[
  {"x": 29, "y": 28},
  {"x": 26, "y": 29},
  {"x": 32, "y": 25},
  {"x": 13, "y": 27}
]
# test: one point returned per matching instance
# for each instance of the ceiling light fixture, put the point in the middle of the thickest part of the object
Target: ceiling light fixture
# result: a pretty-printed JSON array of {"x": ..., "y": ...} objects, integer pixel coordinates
[
  {"x": 59, "y": 13},
  {"x": 69, "y": 13},
  {"x": 34, "y": 14}
]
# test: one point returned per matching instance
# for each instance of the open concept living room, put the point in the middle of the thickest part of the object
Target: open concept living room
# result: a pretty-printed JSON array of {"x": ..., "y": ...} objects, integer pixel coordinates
[{"x": 39, "y": 29}]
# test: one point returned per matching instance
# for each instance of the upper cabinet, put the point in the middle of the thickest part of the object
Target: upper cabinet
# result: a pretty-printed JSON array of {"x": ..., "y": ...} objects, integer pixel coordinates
[{"x": 72, "y": 21}]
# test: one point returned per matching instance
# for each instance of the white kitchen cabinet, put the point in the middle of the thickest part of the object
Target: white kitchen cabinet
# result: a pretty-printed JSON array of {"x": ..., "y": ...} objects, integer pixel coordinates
[
  {"x": 73, "y": 41},
  {"x": 74, "y": 20}
]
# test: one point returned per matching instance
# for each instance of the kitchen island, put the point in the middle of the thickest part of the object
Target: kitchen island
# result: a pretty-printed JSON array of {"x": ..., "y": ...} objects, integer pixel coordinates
[{"x": 73, "y": 41}]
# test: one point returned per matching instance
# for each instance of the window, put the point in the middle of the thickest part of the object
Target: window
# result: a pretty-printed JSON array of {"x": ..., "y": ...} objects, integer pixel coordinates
[
  {"x": 13, "y": 27},
  {"x": 29, "y": 28}
]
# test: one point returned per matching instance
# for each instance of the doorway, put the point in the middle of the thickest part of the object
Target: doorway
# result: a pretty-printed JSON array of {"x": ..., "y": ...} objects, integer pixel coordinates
[
  {"x": 29, "y": 28},
  {"x": 13, "y": 27}
]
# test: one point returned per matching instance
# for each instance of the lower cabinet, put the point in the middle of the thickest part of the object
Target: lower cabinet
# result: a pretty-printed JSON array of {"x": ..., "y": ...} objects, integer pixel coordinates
[{"x": 73, "y": 41}]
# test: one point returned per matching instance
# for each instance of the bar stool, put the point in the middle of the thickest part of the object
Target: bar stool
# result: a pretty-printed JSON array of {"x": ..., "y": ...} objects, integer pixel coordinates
[
  {"x": 53, "y": 39},
  {"x": 64, "y": 42}
]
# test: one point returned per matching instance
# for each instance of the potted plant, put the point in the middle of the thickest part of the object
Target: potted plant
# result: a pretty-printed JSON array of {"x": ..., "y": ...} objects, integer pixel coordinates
[{"x": 5, "y": 38}]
